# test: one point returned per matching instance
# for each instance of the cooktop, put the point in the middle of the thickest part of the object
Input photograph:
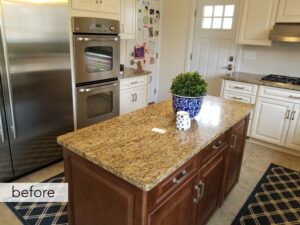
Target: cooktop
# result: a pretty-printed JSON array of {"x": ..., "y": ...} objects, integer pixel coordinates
[{"x": 282, "y": 79}]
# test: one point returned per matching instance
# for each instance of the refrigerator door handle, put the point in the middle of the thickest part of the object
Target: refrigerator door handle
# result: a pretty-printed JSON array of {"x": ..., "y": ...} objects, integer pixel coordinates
[
  {"x": 13, "y": 124},
  {"x": 1, "y": 129}
]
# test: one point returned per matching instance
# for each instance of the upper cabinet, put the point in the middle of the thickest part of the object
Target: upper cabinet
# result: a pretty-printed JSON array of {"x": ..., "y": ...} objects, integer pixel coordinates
[
  {"x": 258, "y": 18},
  {"x": 288, "y": 11},
  {"x": 128, "y": 19},
  {"x": 106, "y": 6}
]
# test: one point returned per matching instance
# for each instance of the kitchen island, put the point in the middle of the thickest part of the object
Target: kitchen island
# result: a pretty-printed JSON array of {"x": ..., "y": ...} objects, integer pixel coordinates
[{"x": 121, "y": 172}]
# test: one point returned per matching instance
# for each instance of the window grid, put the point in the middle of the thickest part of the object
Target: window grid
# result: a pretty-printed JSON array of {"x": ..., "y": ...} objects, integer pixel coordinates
[{"x": 218, "y": 17}]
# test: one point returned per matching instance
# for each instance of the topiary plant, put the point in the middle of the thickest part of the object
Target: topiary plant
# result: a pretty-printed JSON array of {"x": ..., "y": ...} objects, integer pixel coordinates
[{"x": 190, "y": 84}]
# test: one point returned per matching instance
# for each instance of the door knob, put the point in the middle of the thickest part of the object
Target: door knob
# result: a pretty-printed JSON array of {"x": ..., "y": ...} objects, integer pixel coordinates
[{"x": 229, "y": 67}]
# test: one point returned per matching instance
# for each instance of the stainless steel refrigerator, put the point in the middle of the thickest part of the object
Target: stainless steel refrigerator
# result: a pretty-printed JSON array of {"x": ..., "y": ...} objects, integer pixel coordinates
[{"x": 36, "y": 90}]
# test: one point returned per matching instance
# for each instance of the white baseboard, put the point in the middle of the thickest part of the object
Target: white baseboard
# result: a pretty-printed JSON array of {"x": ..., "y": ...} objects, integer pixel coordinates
[{"x": 275, "y": 147}]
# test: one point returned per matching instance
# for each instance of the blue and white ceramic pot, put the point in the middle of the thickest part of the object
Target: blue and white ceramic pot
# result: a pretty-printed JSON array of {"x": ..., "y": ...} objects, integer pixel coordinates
[{"x": 188, "y": 104}]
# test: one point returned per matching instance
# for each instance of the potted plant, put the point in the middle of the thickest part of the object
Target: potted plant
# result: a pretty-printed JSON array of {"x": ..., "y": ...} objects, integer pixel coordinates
[{"x": 188, "y": 91}]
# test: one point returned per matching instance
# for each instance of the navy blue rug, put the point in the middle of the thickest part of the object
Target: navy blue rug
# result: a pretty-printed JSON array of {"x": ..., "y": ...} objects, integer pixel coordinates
[
  {"x": 42, "y": 213},
  {"x": 275, "y": 199}
]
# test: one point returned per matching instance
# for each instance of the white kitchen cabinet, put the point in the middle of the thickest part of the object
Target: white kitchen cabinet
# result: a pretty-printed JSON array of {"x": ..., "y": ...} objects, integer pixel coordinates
[
  {"x": 133, "y": 94},
  {"x": 106, "y": 6},
  {"x": 126, "y": 101},
  {"x": 271, "y": 120},
  {"x": 293, "y": 137},
  {"x": 128, "y": 19},
  {"x": 258, "y": 18},
  {"x": 288, "y": 11}
]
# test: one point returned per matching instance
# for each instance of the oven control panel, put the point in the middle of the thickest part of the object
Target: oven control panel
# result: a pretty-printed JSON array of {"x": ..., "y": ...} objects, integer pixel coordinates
[{"x": 95, "y": 26}]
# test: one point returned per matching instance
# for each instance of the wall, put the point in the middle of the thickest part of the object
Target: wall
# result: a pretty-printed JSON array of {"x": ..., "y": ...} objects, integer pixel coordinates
[
  {"x": 174, "y": 38},
  {"x": 280, "y": 58}
]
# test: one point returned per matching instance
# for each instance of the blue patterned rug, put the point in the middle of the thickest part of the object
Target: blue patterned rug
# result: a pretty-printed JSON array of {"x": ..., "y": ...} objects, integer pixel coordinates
[
  {"x": 42, "y": 213},
  {"x": 275, "y": 199}
]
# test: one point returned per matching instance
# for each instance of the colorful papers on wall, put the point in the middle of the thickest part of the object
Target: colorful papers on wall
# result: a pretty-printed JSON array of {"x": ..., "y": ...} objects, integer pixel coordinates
[{"x": 139, "y": 51}]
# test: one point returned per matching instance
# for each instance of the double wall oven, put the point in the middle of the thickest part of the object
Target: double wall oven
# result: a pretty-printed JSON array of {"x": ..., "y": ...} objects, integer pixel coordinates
[{"x": 97, "y": 67}]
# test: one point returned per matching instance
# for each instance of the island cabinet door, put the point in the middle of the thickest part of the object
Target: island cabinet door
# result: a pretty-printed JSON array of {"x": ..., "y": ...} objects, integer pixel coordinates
[
  {"x": 179, "y": 208},
  {"x": 235, "y": 155},
  {"x": 209, "y": 184}
]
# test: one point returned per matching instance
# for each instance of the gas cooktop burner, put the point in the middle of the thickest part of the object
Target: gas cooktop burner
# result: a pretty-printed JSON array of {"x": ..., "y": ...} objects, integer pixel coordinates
[{"x": 282, "y": 79}]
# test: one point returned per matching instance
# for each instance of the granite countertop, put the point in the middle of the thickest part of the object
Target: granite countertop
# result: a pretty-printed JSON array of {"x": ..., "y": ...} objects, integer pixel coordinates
[
  {"x": 256, "y": 79},
  {"x": 130, "y": 73},
  {"x": 127, "y": 147}
]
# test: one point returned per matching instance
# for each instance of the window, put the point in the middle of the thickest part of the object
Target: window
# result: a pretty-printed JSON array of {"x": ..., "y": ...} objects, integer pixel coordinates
[{"x": 217, "y": 17}]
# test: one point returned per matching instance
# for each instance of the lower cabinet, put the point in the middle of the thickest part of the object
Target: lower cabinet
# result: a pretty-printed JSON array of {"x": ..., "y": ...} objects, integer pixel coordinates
[
  {"x": 179, "y": 208},
  {"x": 209, "y": 185},
  {"x": 234, "y": 156},
  {"x": 293, "y": 140}
]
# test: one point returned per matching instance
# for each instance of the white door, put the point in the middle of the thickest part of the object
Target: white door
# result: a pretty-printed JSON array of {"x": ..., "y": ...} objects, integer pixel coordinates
[
  {"x": 271, "y": 120},
  {"x": 126, "y": 101},
  {"x": 90, "y": 5},
  {"x": 293, "y": 137},
  {"x": 140, "y": 100},
  {"x": 214, "y": 47}
]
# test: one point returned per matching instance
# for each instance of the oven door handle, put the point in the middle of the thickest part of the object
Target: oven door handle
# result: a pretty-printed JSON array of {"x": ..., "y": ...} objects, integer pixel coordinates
[
  {"x": 83, "y": 90},
  {"x": 85, "y": 39}
]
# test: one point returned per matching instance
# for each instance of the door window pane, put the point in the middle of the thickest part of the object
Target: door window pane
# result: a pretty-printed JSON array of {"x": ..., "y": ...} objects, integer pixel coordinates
[
  {"x": 217, "y": 23},
  {"x": 206, "y": 23},
  {"x": 99, "y": 104},
  {"x": 227, "y": 23},
  {"x": 208, "y": 11},
  {"x": 229, "y": 11},
  {"x": 98, "y": 59},
  {"x": 218, "y": 12}
]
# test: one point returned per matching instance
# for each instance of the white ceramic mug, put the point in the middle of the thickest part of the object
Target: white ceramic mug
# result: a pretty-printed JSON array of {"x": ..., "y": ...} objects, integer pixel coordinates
[{"x": 183, "y": 121}]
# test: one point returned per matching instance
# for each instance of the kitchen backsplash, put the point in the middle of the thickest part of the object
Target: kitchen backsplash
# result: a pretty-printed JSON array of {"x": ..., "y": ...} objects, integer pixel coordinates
[{"x": 280, "y": 58}]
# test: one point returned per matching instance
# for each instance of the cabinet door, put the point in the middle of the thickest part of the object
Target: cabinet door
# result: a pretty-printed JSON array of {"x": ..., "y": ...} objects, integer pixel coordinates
[
  {"x": 288, "y": 11},
  {"x": 211, "y": 176},
  {"x": 90, "y": 5},
  {"x": 235, "y": 155},
  {"x": 128, "y": 19},
  {"x": 126, "y": 101},
  {"x": 271, "y": 120},
  {"x": 140, "y": 97},
  {"x": 109, "y": 6},
  {"x": 258, "y": 19},
  {"x": 293, "y": 137},
  {"x": 178, "y": 209}
]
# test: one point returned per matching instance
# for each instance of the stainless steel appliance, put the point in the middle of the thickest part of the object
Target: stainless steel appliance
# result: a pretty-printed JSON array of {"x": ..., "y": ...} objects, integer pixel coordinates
[
  {"x": 282, "y": 79},
  {"x": 36, "y": 90},
  {"x": 97, "y": 67}
]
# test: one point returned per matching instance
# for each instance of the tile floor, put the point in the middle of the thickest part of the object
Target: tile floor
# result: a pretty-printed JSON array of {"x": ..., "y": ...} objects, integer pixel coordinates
[{"x": 255, "y": 162}]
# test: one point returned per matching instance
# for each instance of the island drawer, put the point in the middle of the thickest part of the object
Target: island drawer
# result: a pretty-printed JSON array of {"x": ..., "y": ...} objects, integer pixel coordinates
[
  {"x": 214, "y": 148},
  {"x": 240, "y": 87},
  {"x": 167, "y": 187}
]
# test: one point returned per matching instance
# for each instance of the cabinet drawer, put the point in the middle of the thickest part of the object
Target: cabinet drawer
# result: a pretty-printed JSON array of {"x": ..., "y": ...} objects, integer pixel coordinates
[
  {"x": 133, "y": 82},
  {"x": 239, "y": 97},
  {"x": 240, "y": 87},
  {"x": 167, "y": 187},
  {"x": 279, "y": 94},
  {"x": 214, "y": 148}
]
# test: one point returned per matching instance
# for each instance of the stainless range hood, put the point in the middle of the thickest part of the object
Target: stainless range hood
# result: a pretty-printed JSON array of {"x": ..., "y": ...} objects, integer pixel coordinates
[{"x": 286, "y": 32}]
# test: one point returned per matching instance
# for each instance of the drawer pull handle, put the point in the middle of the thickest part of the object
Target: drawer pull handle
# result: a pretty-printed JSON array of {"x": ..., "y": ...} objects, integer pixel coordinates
[
  {"x": 181, "y": 178},
  {"x": 202, "y": 186},
  {"x": 287, "y": 114},
  {"x": 217, "y": 146},
  {"x": 237, "y": 98},
  {"x": 294, "y": 97},
  {"x": 238, "y": 87},
  {"x": 198, "y": 192},
  {"x": 135, "y": 82},
  {"x": 234, "y": 141},
  {"x": 293, "y": 115}
]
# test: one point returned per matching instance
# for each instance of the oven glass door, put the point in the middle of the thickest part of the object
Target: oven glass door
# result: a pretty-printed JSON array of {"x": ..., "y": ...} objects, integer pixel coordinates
[
  {"x": 96, "y": 103},
  {"x": 96, "y": 57}
]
